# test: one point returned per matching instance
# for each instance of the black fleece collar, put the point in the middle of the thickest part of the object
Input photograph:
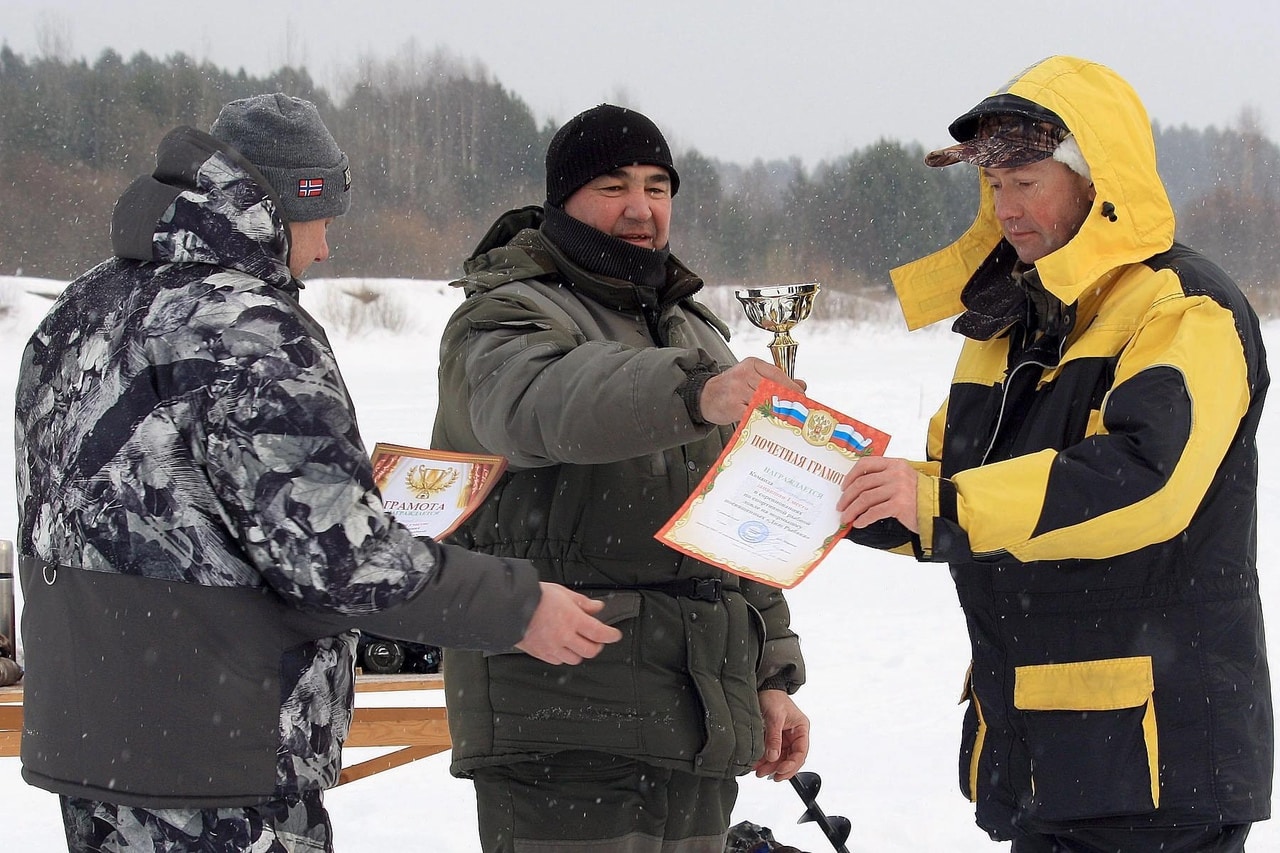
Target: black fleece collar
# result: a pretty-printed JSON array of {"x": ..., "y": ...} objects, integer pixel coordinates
[
  {"x": 1006, "y": 296},
  {"x": 993, "y": 300},
  {"x": 603, "y": 254}
]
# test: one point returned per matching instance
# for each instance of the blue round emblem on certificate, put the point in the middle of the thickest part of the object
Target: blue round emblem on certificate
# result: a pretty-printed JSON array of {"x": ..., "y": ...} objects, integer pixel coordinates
[{"x": 753, "y": 531}]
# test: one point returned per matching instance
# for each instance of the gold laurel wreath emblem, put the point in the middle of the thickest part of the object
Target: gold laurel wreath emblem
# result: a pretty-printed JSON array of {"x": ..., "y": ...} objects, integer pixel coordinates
[
  {"x": 425, "y": 482},
  {"x": 818, "y": 428}
]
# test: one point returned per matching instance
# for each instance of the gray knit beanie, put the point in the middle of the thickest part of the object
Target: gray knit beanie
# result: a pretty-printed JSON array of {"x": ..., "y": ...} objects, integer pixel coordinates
[{"x": 284, "y": 137}]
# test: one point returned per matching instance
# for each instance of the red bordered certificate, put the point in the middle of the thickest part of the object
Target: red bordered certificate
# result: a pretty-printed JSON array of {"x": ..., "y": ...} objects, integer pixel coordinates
[
  {"x": 431, "y": 492},
  {"x": 767, "y": 510}
]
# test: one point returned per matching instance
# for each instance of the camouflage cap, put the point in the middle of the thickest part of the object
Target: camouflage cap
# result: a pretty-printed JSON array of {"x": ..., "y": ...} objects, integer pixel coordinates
[{"x": 1003, "y": 141}]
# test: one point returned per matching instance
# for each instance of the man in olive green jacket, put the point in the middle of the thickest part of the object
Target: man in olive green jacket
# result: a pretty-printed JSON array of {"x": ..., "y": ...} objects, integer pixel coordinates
[{"x": 580, "y": 355}]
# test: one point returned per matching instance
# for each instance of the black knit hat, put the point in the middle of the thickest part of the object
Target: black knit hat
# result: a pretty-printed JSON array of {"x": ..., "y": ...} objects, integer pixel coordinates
[{"x": 598, "y": 141}]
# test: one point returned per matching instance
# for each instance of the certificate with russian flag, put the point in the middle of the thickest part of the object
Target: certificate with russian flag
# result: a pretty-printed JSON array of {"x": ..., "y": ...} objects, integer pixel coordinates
[{"x": 767, "y": 510}]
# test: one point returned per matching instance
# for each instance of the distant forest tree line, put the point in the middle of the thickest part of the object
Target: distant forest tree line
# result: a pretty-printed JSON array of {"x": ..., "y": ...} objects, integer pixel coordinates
[{"x": 438, "y": 148}]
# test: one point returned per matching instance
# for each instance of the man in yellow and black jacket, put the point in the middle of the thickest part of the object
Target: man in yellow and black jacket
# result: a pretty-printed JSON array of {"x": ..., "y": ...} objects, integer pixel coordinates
[{"x": 1092, "y": 481}]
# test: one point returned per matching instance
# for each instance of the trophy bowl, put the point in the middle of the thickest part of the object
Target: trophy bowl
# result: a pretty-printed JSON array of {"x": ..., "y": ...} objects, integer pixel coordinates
[{"x": 778, "y": 309}]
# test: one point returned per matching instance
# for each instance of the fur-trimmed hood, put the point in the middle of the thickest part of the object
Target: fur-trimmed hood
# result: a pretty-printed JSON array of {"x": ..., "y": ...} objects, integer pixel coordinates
[{"x": 1132, "y": 218}]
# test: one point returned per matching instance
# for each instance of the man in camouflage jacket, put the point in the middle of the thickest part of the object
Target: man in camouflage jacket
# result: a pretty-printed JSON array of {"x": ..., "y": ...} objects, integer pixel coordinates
[{"x": 199, "y": 527}]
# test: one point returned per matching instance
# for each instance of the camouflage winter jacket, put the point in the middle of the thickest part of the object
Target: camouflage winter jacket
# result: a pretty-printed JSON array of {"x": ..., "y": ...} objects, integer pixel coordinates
[{"x": 199, "y": 527}]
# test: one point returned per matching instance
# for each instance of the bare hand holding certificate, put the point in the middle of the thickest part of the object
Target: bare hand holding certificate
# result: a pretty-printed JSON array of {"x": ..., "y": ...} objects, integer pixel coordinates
[
  {"x": 767, "y": 511},
  {"x": 431, "y": 492}
]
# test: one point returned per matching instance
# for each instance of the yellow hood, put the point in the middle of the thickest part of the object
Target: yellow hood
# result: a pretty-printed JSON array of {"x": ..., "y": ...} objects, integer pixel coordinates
[{"x": 1114, "y": 133}]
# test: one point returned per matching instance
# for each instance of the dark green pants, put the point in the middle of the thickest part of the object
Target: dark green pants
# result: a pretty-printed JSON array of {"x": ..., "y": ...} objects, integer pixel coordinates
[{"x": 589, "y": 802}]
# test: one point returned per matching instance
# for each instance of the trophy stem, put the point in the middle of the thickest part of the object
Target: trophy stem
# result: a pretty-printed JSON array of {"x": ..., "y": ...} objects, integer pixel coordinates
[{"x": 783, "y": 349}]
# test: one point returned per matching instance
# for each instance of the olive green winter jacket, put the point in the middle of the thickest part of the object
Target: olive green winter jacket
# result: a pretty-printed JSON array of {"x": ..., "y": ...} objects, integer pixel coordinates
[{"x": 575, "y": 379}]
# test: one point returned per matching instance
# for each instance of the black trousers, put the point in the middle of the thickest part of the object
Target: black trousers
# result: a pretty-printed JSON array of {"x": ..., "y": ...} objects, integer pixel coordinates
[{"x": 1192, "y": 839}]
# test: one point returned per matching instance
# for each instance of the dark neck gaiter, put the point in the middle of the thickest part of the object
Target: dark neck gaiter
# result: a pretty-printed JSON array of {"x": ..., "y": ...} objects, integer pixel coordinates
[{"x": 602, "y": 254}]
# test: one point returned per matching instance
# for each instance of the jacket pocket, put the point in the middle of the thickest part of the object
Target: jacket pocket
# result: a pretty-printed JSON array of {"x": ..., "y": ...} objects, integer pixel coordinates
[
  {"x": 973, "y": 735},
  {"x": 1091, "y": 734},
  {"x": 596, "y": 705}
]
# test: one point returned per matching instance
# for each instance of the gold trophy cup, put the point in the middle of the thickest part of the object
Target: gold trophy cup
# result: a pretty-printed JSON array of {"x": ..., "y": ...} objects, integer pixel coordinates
[{"x": 778, "y": 310}]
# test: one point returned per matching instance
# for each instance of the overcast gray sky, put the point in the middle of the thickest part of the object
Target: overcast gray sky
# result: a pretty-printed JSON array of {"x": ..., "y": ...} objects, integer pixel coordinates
[{"x": 736, "y": 79}]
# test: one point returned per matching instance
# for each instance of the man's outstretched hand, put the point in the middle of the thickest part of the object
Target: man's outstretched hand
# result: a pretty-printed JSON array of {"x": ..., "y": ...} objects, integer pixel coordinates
[{"x": 563, "y": 628}]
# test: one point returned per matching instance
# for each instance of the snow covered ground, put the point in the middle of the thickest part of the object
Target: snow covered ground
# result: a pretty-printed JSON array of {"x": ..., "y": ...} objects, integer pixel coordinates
[{"x": 883, "y": 635}]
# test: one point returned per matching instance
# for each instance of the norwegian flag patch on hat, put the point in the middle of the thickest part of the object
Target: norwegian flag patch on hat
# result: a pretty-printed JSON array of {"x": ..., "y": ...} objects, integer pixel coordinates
[{"x": 310, "y": 187}]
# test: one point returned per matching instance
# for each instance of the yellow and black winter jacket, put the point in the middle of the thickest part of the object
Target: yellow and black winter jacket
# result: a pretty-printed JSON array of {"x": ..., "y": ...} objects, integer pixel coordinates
[{"x": 1093, "y": 484}]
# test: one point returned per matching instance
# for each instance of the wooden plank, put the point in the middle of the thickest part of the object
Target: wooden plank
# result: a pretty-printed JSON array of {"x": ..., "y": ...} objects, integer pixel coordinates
[
  {"x": 398, "y": 681},
  {"x": 420, "y": 726},
  {"x": 399, "y": 758},
  {"x": 399, "y": 727},
  {"x": 364, "y": 684},
  {"x": 419, "y": 731},
  {"x": 10, "y": 730},
  {"x": 10, "y": 743}
]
